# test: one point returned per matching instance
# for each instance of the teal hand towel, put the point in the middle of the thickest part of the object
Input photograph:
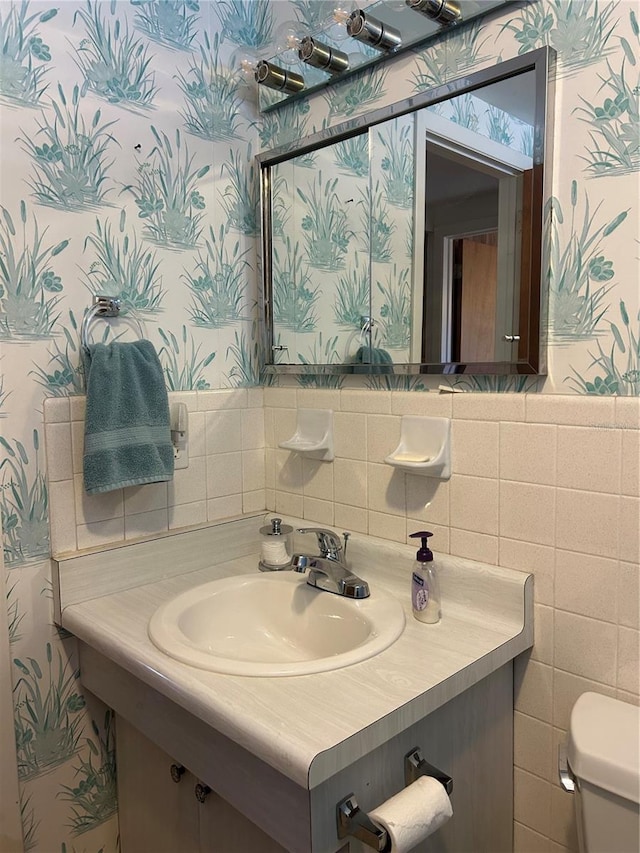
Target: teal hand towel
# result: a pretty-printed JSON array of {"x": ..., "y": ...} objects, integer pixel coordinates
[
  {"x": 127, "y": 437},
  {"x": 379, "y": 359}
]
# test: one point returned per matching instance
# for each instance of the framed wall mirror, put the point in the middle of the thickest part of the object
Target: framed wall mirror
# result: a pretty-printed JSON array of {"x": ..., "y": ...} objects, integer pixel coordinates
[{"x": 410, "y": 240}]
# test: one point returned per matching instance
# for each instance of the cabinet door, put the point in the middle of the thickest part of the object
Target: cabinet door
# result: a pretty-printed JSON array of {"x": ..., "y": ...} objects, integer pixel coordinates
[
  {"x": 157, "y": 815},
  {"x": 223, "y": 829}
]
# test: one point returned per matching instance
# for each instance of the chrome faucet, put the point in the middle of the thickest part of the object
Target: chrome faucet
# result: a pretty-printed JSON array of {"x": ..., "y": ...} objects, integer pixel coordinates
[{"x": 327, "y": 571}]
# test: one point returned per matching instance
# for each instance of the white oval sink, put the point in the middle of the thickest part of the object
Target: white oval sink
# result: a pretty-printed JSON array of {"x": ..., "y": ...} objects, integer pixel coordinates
[{"x": 271, "y": 625}]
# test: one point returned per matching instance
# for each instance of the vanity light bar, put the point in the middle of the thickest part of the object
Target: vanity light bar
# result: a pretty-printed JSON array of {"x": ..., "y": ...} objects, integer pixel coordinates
[
  {"x": 274, "y": 77},
  {"x": 322, "y": 56},
  {"x": 373, "y": 32},
  {"x": 443, "y": 11}
]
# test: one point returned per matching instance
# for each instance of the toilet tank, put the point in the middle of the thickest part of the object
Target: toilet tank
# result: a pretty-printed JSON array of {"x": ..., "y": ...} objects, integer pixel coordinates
[{"x": 603, "y": 753}]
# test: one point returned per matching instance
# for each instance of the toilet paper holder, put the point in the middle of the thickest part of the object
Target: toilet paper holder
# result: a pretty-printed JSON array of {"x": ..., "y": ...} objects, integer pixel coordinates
[
  {"x": 415, "y": 766},
  {"x": 352, "y": 820}
]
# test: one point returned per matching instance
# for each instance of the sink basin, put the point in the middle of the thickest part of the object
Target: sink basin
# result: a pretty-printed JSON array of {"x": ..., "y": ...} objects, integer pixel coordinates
[{"x": 272, "y": 625}]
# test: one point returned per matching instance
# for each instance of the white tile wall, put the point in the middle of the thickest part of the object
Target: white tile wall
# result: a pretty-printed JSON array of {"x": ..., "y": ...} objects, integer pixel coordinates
[
  {"x": 527, "y": 512},
  {"x": 474, "y": 448},
  {"x": 350, "y": 482},
  {"x": 223, "y": 428},
  {"x": 541, "y": 483},
  {"x": 581, "y": 584},
  {"x": 226, "y": 474},
  {"x": 383, "y": 436},
  {"x": 532, "y": 810},
  {"x": 58, "y": 410},
  {"x": 587, "y": 522},
  {"x": 538, "y": 463},
  {"x": 589, "y": 458}
]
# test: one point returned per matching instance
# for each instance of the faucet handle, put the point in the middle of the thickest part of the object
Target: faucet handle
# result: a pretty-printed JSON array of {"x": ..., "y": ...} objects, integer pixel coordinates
[
  {"x": 328, "y": 541},
  {"x": 300, "y": 562}
]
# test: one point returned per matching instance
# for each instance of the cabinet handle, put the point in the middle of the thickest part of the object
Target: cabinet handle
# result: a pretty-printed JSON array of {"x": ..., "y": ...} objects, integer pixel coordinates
[
  {"x": 177, "y": 772},
  {"x": 510, "y": 339},
  {"x": 202, "y": 792}
]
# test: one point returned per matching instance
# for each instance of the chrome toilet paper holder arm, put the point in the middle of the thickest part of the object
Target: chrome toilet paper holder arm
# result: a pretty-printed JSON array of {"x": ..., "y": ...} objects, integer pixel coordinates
[
  {"x": 415, "y": 766},
  {"x": 352, "y": 820}
]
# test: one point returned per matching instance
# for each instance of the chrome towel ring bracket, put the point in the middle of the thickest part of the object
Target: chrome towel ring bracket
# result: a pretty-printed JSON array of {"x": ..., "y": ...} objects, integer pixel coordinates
[{"x": 105, "y": 306}]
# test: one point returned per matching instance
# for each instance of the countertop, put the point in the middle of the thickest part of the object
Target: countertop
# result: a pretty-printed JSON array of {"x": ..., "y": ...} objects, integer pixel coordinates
[{"x": 310, "y": 727}]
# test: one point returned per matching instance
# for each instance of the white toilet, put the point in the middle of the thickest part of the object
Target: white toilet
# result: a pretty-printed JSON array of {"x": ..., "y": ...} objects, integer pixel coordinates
[{"x": 603, "y": 762}]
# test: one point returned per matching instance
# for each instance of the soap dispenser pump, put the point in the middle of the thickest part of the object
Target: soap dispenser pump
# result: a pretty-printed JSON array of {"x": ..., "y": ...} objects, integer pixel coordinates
[{"x": 425, "y": 590}]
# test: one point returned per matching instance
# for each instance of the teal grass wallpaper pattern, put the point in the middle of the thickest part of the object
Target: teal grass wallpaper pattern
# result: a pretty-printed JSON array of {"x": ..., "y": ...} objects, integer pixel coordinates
[
  {"x": 591, "y": 255},
  {"x": 351, "y": 213},
  {"x": 127, "y": 168}
]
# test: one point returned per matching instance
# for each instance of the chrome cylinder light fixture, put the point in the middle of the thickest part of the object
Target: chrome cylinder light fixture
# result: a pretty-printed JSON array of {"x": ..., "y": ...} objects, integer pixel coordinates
[
  {"x": 373, "y": 32},
  {"x": 320, "y": 55},
  {"x": 270, "y": 75},
  {"x": 442, "y": 11}
]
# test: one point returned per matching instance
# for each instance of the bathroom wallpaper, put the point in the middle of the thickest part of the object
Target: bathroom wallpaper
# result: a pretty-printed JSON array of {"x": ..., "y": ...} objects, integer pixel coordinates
[
  {"x": 127, "y": 169},
  {"x": 343, "y": 238},
  {"x": 593, "y": 325},
  {"x": 343, "y": 217}
]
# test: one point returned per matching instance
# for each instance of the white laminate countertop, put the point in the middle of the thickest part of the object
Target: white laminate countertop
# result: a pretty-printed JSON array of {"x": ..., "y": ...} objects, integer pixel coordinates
[{"x": 310, "y": 727}]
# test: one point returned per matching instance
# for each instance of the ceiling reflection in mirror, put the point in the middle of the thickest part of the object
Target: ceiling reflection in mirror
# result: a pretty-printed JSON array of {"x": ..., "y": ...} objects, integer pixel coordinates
[{"x": 412, "y": 243}]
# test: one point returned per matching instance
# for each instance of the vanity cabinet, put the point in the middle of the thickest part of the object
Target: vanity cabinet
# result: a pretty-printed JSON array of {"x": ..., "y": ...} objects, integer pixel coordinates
[
  {"x": 280, "y": 753},
  {"x": 160, "y": 812},
  {"x": 155, "y": 813},
  {"x": 255, "y": 809}
]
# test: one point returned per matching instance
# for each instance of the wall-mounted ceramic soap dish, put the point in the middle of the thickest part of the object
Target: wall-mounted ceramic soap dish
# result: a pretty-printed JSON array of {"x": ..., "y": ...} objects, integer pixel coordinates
[
  {"x": 313, "y": 436},
  {"x": 425, "y": 447}
]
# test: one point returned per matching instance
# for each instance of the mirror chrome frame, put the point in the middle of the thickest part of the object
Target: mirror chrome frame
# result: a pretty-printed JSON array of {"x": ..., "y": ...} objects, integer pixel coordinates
[{"x": 531, "y": 356}]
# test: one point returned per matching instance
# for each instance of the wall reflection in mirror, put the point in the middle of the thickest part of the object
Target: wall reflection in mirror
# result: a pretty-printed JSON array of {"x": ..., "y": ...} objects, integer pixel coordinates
[{"x": 413, "y": 243}]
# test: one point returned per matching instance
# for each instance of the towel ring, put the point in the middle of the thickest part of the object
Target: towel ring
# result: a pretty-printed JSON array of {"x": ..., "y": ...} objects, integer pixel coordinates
[
  {"x": 105, "y": 306},
  {"x": 368, "y": 334}
]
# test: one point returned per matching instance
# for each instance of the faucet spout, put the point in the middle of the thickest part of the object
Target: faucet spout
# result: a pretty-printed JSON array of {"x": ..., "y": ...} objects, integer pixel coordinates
[
  {"x": 327, "y": 571},
  {"x": 328, "y": 542},
  {"x": 330, "y": 576}
]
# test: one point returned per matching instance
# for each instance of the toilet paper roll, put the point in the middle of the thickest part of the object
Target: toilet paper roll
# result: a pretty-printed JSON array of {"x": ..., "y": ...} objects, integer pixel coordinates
[
  {"x": 274, "y": 553},
  {"x": 415, "y": 813}
]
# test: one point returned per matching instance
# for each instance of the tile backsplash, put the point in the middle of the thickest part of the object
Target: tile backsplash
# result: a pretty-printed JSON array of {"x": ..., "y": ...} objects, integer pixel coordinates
[
  {"x": 563, "y": 474},
  {"x": 544, "y": 484},
  {"x": 225, "y": 476}
]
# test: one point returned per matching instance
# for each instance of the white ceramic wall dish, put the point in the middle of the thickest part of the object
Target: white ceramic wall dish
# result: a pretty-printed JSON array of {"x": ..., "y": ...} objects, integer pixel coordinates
[
  {"x": 313, "y": 436},
  {"x": 425, "y": 447}
]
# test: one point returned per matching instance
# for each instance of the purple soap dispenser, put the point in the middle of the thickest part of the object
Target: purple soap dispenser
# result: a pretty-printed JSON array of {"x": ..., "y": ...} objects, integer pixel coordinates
[{"x": 425, "y": 590}]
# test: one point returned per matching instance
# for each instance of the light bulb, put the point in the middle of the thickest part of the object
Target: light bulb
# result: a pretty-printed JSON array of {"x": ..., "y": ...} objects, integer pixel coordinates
[
  {"x": 288, "y": 38},
  {"x": 340, "y": 13},
  {"x": 336, "y": 28},
  {"x": 242, "y": 64}
]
